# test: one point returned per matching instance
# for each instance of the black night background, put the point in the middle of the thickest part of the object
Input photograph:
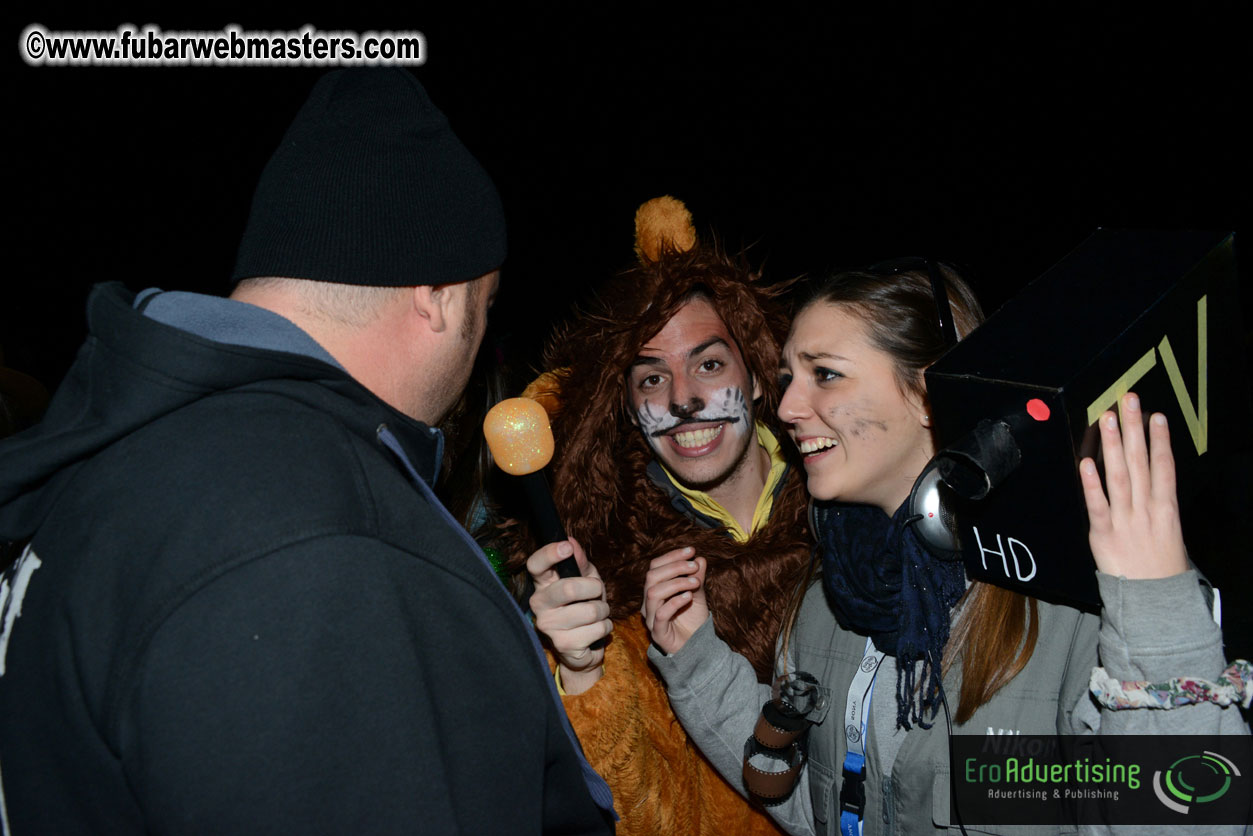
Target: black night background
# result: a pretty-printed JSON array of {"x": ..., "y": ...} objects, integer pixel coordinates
[{"x": 822, "y": 137}]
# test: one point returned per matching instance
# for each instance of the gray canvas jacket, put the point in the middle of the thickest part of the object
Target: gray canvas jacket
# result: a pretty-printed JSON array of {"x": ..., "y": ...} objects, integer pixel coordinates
[{"x": 717, "y": 699}]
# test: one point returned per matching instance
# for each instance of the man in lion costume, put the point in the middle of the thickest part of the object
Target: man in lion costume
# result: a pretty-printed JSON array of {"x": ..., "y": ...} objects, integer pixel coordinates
[{"x": 662, "y": 403}]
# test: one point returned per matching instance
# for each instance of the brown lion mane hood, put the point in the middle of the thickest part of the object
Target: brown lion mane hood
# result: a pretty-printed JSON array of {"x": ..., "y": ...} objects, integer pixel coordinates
[{"x": 600, "y": 484}]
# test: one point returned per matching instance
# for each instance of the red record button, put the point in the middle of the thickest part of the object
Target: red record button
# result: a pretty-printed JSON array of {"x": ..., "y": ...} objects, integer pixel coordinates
[{"x": 1038, "y": 409}]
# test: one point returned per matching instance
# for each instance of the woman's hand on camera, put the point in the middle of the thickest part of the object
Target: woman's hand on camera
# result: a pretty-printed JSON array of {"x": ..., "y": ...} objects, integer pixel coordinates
[{"x": 1135, "y": 532}]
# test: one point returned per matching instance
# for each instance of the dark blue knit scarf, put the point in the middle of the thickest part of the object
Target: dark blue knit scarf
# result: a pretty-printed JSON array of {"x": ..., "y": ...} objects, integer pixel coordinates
[{"x": 882, "y": 582}]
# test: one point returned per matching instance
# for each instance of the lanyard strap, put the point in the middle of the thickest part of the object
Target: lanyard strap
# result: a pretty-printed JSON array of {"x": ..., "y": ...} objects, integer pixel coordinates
[{"x": 856, "y": 717}]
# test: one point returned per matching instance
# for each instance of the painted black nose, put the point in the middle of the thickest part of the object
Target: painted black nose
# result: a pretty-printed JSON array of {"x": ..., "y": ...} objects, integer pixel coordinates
[{"x": 688, "y": 409}]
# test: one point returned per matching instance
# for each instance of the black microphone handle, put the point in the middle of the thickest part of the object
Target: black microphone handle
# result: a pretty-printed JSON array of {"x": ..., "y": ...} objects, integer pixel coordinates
[{"x": 548, "y": 527}]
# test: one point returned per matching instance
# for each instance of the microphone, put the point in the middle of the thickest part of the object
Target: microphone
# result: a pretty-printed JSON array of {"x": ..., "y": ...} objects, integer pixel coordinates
[{"x": 521, "y": 441}]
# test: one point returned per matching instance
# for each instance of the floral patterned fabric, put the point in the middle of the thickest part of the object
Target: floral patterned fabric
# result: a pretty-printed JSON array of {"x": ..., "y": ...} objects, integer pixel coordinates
[{"x": 1234, "y": 685}]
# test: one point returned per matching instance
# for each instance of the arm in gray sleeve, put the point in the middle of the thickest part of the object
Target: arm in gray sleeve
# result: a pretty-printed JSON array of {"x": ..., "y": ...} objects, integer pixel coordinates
[
  {"x": 1157, "y": 630},
  {"x": 716, "y": 696}
]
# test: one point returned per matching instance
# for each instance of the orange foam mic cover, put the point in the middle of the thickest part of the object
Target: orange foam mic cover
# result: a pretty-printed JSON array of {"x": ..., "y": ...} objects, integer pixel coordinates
[{"x": 519, "y": 436}]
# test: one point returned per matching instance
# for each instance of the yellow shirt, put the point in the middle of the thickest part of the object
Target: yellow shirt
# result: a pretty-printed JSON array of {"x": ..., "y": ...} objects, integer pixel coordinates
[{"x": 708, "y": 506}]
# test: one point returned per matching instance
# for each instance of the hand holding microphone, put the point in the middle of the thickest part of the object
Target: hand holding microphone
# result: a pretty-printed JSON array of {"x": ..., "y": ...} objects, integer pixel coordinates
[
  {"x": 521, "y": 441},
  {"x": 574, "y": 616},
  {"x": 572, "y": 613}
]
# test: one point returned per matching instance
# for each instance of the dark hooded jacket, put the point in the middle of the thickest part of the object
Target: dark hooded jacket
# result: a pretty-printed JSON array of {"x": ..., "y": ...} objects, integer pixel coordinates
[{"x": 241, "y": 609}]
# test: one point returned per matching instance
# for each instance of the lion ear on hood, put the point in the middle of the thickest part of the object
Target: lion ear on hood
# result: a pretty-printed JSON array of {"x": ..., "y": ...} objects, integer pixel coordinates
[{"x": 662, "y": 225}]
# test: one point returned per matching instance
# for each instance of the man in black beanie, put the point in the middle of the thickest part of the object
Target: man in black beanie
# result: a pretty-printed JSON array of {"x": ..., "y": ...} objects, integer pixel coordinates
[{"x": 239, "y": 607}]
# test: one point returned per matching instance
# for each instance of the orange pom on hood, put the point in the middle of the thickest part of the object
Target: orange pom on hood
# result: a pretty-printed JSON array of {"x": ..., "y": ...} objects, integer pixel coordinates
[{"x": 663, "y": 225}]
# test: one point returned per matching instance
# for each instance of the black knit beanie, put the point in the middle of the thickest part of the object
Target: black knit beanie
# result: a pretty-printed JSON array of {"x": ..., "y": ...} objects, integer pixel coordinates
[{"x": 371, "y": 187}]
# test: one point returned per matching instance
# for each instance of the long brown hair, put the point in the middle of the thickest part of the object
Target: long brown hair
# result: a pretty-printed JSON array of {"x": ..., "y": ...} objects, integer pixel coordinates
[
  {"x": 599, "y": 473},
  {"x": 995, "y": 633}
]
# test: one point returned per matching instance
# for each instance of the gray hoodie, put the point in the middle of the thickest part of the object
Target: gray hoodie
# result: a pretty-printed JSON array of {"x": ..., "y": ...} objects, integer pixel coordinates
[{"x": 717, "y": 698}]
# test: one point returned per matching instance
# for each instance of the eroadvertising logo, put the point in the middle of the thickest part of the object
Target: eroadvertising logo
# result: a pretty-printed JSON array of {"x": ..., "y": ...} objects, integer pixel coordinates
[
  {"x": 1116, "y": 779},
  {"x": 1210, "y": 775}
]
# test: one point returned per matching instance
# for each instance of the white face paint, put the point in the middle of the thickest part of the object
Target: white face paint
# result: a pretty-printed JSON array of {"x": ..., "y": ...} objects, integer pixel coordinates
[
  {"x": 655, "y": 419},
  {"x": 731, "y": 403},
  {"x": 725, "y": 405},
  {"x": 687, "y": 386}
]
